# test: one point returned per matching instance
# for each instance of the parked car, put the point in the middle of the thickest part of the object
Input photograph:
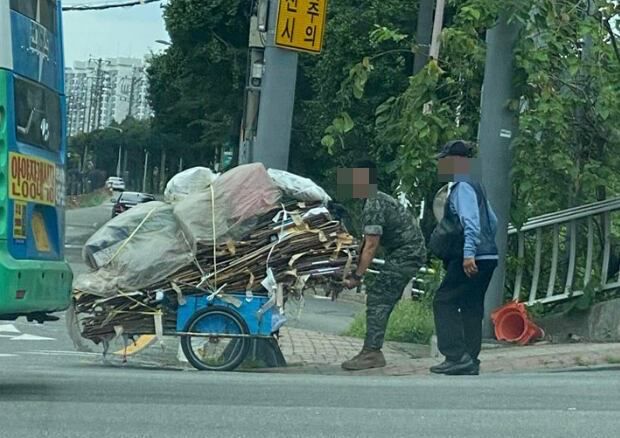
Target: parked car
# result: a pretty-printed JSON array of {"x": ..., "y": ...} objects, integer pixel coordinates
[
  {"x": 115, "y": 183},
  {"x": 126, "y": 200}
]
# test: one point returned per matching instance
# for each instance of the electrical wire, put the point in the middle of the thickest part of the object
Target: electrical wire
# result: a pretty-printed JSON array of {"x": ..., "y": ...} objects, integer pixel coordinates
[{"x": 101, "y": 7}]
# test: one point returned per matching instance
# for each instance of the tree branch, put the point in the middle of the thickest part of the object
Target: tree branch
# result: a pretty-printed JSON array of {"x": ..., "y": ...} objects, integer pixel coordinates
[
  {"x": 612, "y": 36},
  {"x": 389, "y": 52},
  {"x": 222, "y": 40}
]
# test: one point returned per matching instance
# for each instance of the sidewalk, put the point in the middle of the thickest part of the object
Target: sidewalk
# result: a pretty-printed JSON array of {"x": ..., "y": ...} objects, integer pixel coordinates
[
  {"x": 317, "y": 353},
  {"x": 311, "y": 352},
  {"x": 306, "y": 347}
]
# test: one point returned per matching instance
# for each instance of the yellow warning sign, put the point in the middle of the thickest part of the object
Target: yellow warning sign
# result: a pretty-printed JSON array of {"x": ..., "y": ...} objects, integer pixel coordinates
[
  {"x": 41, "y": 239},
  {"x": 19, "y": 218},
  {"x": 301, "y": 24},
  {"x": 32, "y": 179}
]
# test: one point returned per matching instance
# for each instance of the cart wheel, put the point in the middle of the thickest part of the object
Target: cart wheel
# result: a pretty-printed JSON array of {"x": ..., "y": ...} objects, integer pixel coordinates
[{"x": 215, "y": 353}]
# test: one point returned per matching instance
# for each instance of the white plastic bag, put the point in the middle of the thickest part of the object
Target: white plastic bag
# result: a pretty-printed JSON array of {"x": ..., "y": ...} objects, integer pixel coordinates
[
  {"x": 194, "y": 180},
  {"x": 298, "y": 187},
  {"x": 134, "y": 250}
]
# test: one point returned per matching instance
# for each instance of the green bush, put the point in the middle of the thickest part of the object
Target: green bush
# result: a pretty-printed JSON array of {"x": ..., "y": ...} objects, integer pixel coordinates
[
  {"x": 411, "y": 321},
  {"x": 93, "y": 199}
]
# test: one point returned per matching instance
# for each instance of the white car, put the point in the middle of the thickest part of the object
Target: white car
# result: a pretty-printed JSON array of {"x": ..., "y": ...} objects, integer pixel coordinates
[{"x": 115, "y": 183}]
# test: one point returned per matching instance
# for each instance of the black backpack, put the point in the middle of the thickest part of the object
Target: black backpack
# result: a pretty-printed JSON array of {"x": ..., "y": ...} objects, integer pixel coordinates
[{"x": 448, "y": 237}]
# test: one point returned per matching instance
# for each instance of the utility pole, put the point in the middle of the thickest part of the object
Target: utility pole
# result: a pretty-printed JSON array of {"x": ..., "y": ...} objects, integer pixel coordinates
[
  {"x": 277, "y": 100},
  {"x": 162, "y": 170},
  {"x": 135, "y": 80},
  {"x": 120, "y": 148},
  {"x": 256, "y": 66},
  {"x": 96, "y": 96},
  {"x": 146, "y": 167},
  {"x": 98, "y": 92},
  {"x": 498, "y": 126},
  {"x": 437, "y": 28},
  {"x": 118, "y": 163},
  {"x": 424, "y": 33}
]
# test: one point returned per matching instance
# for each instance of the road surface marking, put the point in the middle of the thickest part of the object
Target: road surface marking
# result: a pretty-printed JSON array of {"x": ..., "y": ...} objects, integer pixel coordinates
[
  {"x": 8, "y": 328},
  {"x": 141, "y": 343},
  {"x": 8, "y": 355},
  {"x": 73, "y": 246},
  {"x": 26, "y": 337},
  {"x": 60, "y": 353}
]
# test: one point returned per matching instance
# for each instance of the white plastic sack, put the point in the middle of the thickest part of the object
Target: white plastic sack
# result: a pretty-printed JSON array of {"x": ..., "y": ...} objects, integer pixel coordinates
[
  {"x": 298, "y": 187},
  {"x": 241, "y": 195},
  {"x": 134, "y": 250},
  {"x": 194, "y": 180},
  {"x": 101, "y": 283}
]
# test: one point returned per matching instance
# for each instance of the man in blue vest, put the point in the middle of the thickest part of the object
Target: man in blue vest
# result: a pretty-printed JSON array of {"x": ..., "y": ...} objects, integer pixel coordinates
[{"x": 469, "y": 253}]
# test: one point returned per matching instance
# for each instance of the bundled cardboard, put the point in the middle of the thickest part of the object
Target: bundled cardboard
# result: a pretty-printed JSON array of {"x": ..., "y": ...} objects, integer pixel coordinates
[{"x": 239, "y": 235}]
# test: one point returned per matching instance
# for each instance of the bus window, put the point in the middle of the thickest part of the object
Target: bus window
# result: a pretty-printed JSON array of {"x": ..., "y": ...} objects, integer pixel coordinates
[
  {"x": 29, "y": 8},
  {"x": 37, "y": 115}
]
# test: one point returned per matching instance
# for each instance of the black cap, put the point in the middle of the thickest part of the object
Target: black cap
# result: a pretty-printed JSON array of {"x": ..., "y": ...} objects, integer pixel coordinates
[{"x": 456, "y": 148}]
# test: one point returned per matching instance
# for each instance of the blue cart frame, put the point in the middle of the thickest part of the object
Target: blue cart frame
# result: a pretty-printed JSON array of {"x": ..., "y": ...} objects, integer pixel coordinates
[{"x": 212, "y": 319}]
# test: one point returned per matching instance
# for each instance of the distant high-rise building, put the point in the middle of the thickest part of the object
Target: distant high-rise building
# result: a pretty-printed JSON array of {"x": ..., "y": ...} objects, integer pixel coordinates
[{"x": 100, "y": 91}]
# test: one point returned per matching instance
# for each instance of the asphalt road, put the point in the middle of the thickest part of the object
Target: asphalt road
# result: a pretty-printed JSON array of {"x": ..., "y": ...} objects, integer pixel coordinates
[
  {"x": 64, "y": 396},
  {"x": 49, "y": 390}
]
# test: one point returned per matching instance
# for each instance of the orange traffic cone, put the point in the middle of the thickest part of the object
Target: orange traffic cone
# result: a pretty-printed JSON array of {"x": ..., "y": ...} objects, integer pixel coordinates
[{"x": 512, "y": 324}]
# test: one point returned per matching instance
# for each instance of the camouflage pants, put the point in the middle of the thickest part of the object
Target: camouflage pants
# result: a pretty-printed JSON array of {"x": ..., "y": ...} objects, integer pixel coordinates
[{"x": 382, "y": 296}]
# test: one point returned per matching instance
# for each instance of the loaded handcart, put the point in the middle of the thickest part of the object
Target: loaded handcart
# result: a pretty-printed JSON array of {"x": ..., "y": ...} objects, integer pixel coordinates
[{"x": 214, "y": 267}]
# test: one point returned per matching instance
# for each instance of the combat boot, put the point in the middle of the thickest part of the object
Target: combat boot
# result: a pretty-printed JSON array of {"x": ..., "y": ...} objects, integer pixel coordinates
[{"x": 366, "y": 359}]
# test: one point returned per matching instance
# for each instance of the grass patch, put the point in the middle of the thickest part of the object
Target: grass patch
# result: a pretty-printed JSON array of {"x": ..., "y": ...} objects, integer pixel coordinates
[
  {"x": 411, "y": 321},
  {"x": 93, "y": 199},
  {"x": 582, "y": 362},
  {"x": 613, "y": 360}
]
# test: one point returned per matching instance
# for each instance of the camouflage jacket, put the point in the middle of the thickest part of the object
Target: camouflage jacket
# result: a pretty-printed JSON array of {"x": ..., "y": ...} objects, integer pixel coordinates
[{"x": 401, "y": 239}]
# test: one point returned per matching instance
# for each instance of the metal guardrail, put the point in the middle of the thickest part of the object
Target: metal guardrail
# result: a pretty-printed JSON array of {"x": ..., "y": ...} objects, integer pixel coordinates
[{"x": 560, "y": 235}]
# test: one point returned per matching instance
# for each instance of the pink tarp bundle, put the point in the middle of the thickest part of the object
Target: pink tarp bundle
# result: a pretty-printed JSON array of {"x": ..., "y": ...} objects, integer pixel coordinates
[{"x": 228, "y": 209}]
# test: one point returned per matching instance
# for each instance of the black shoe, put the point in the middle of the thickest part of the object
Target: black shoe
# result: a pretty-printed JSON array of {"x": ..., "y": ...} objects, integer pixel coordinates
[
  {"x": 440, "y": 369},
  {"x": 474, "y": 371},
  {"x": 464, "y": 366}
]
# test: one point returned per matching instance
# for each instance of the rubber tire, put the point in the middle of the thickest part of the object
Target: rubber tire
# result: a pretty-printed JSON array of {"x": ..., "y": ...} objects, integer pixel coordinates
[{"x": 189, "y": 352}]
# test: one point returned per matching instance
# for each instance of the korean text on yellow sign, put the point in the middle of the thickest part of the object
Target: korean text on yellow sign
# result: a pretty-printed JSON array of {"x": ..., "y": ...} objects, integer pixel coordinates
[
  {"x": 301, "y": 24},
  {"x": 32, "y": 179}
]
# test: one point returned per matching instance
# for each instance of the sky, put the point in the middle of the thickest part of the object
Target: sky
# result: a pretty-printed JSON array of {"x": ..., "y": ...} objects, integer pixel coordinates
[{"x": 123, "y": 32}]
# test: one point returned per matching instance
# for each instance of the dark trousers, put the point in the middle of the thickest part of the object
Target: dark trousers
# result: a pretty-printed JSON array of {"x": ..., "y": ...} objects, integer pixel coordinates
[{"x": 459, "y": 308}]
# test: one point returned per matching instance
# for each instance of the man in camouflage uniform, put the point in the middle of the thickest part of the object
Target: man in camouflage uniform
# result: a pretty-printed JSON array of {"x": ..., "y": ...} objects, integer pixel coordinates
[{"x": 389, "y": 225}]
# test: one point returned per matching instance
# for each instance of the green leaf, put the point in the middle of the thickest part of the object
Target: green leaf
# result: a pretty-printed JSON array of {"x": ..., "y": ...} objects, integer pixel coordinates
[
  {"x": 338, "y": 125},
  {"x": 348, "y": 123},
  {"x": 328, "y": 141},
  {"x": 358, "y": 91}
]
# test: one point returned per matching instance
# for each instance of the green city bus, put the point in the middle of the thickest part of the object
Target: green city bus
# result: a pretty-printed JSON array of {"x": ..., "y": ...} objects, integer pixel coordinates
[{"x": 34, "y": 276}]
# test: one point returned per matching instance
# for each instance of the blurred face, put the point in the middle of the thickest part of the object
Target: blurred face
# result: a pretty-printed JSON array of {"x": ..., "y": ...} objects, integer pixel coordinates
[
  {"x": 356, "y": 183},
  {"x": 453, "y": 169}
]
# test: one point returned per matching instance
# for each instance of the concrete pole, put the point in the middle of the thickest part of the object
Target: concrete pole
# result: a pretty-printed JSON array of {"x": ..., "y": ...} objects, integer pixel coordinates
[
  {"x": 118, "y": 162},
  {"x": 424, "y": 33},
  {"x": 498, "y": 127},
  {"x": 277, "y": 101},
  {"x": 162, "y": 171},
  {"x": 146, "y": 167},
  {"x": 437, "y": 28}
]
